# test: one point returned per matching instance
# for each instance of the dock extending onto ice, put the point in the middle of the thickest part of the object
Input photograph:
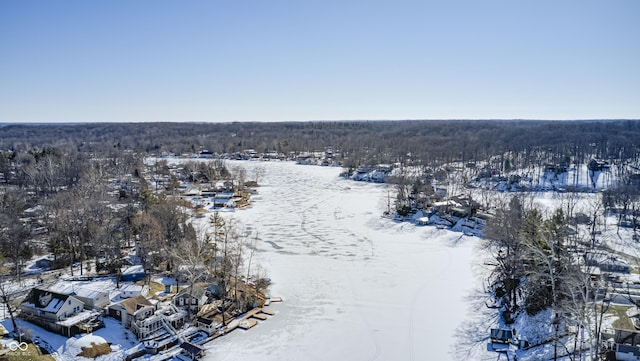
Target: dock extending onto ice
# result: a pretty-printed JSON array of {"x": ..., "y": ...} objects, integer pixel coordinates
[{"x": 249, "y": 319}]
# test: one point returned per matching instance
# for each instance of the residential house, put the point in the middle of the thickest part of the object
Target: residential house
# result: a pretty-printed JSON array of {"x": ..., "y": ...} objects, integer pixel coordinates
[
  {"x": 614, "y": 265},
  {"x": 125, "y": 310},
  {"x": 191, "y": 298},
  {"x": 145, "y": 319},
  {"x": 500, "y": 335},
  {"x": 89, "y": 294},
  {"x": 165, "y": 320},
  {"x": 209, "y": 318},
  {"x": 92, "y": 299},
  {"x": 607, "y": 263},
  {"x": 223, "y": 199},
  {"x": 59, "y": 313},
  {"x": 129, "y": 291},
  {"x": 44, "y": 263},
  {"x": 205, "y": 154},
  {"x": 133, "y": 273},
  {"x": 192, "y": 350}
]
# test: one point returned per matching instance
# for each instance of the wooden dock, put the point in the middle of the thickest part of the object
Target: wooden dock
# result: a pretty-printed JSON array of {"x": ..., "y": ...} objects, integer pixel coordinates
[
  {"x": 247, "y": 323},
  {"x": 248, "y": 320},
  {"x": 268, "y": 301},
  {"x": 259, "y": 316}
]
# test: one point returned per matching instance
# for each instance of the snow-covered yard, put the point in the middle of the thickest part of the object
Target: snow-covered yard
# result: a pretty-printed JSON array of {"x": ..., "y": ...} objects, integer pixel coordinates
[{"x": 63, "y": 348}]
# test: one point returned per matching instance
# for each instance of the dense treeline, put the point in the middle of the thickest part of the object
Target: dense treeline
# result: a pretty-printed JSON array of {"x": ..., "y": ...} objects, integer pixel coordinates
[{"x": 366, "y": 141}]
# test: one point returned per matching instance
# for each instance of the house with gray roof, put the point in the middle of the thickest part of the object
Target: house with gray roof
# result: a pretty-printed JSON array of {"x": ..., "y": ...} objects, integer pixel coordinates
[
  {"x": 191, "y": 298},
  {"x": 59, "y": 313}
]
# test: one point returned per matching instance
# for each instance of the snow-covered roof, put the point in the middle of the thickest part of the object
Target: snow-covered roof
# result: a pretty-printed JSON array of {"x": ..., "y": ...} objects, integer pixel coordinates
[
  {"x": 65, "y": 288},
  {"x": 91, "y": 290},
  {"x": 89, "y": 293},
  {"x": 78, "y": 318},
  {"x": 192, "y": 291},
  {"x": 134, "y": 303},
  {"x": 134, "y": 269},
  {"x": 45, "y": 300},
  {"x": 132, "y": 288}
]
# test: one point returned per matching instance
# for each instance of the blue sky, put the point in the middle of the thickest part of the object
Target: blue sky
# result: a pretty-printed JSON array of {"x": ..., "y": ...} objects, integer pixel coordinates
[{"x": 235, "y": 60}]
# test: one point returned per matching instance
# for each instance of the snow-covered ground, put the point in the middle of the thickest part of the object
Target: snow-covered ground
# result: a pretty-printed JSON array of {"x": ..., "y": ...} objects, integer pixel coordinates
[{"x": 356, "y": 286}]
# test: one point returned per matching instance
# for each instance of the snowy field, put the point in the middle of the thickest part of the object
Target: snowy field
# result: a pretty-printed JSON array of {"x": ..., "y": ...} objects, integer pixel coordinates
[{"x": 356, "y": 286}]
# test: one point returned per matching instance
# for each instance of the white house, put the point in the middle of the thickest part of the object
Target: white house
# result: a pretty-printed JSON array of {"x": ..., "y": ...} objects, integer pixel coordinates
[
  {"x": 191, "y": 298},
  {"x": 93, "y": 295},
  {"x": 92, "y": 299},
  {"x": 129, "y": 291},
  {"x": 60, "y": 313},
  {"x": 145, "y": 319},
  {"x": 209, "y": 319}
]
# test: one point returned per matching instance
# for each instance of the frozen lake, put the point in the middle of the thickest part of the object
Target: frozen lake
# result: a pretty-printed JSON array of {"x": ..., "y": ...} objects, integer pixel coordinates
[{"x": 356, "y": 286}]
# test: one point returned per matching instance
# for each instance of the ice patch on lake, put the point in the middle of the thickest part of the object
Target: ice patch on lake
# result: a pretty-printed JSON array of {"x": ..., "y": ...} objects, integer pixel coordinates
[{"x": 356, "y": 286}]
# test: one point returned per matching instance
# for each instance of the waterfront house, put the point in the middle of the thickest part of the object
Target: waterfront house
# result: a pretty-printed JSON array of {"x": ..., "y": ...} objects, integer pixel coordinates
[
  {"x": 191, "y": 298},
  {"x": 59, "y": 313}
]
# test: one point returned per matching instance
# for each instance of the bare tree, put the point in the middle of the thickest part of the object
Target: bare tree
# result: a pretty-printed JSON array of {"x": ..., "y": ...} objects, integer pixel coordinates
[
  {"x": 14, "y": 235},
  {"x": 148, "y": 233},
  {"x": 503, "y": 238},
  {"x": 191, "y": 256},
  {"x": 6, "y": 300},
  {"x": 258, "y": 173},
  {"x": 252, "y": 244},
  {"x": 596, "y": 221}
]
